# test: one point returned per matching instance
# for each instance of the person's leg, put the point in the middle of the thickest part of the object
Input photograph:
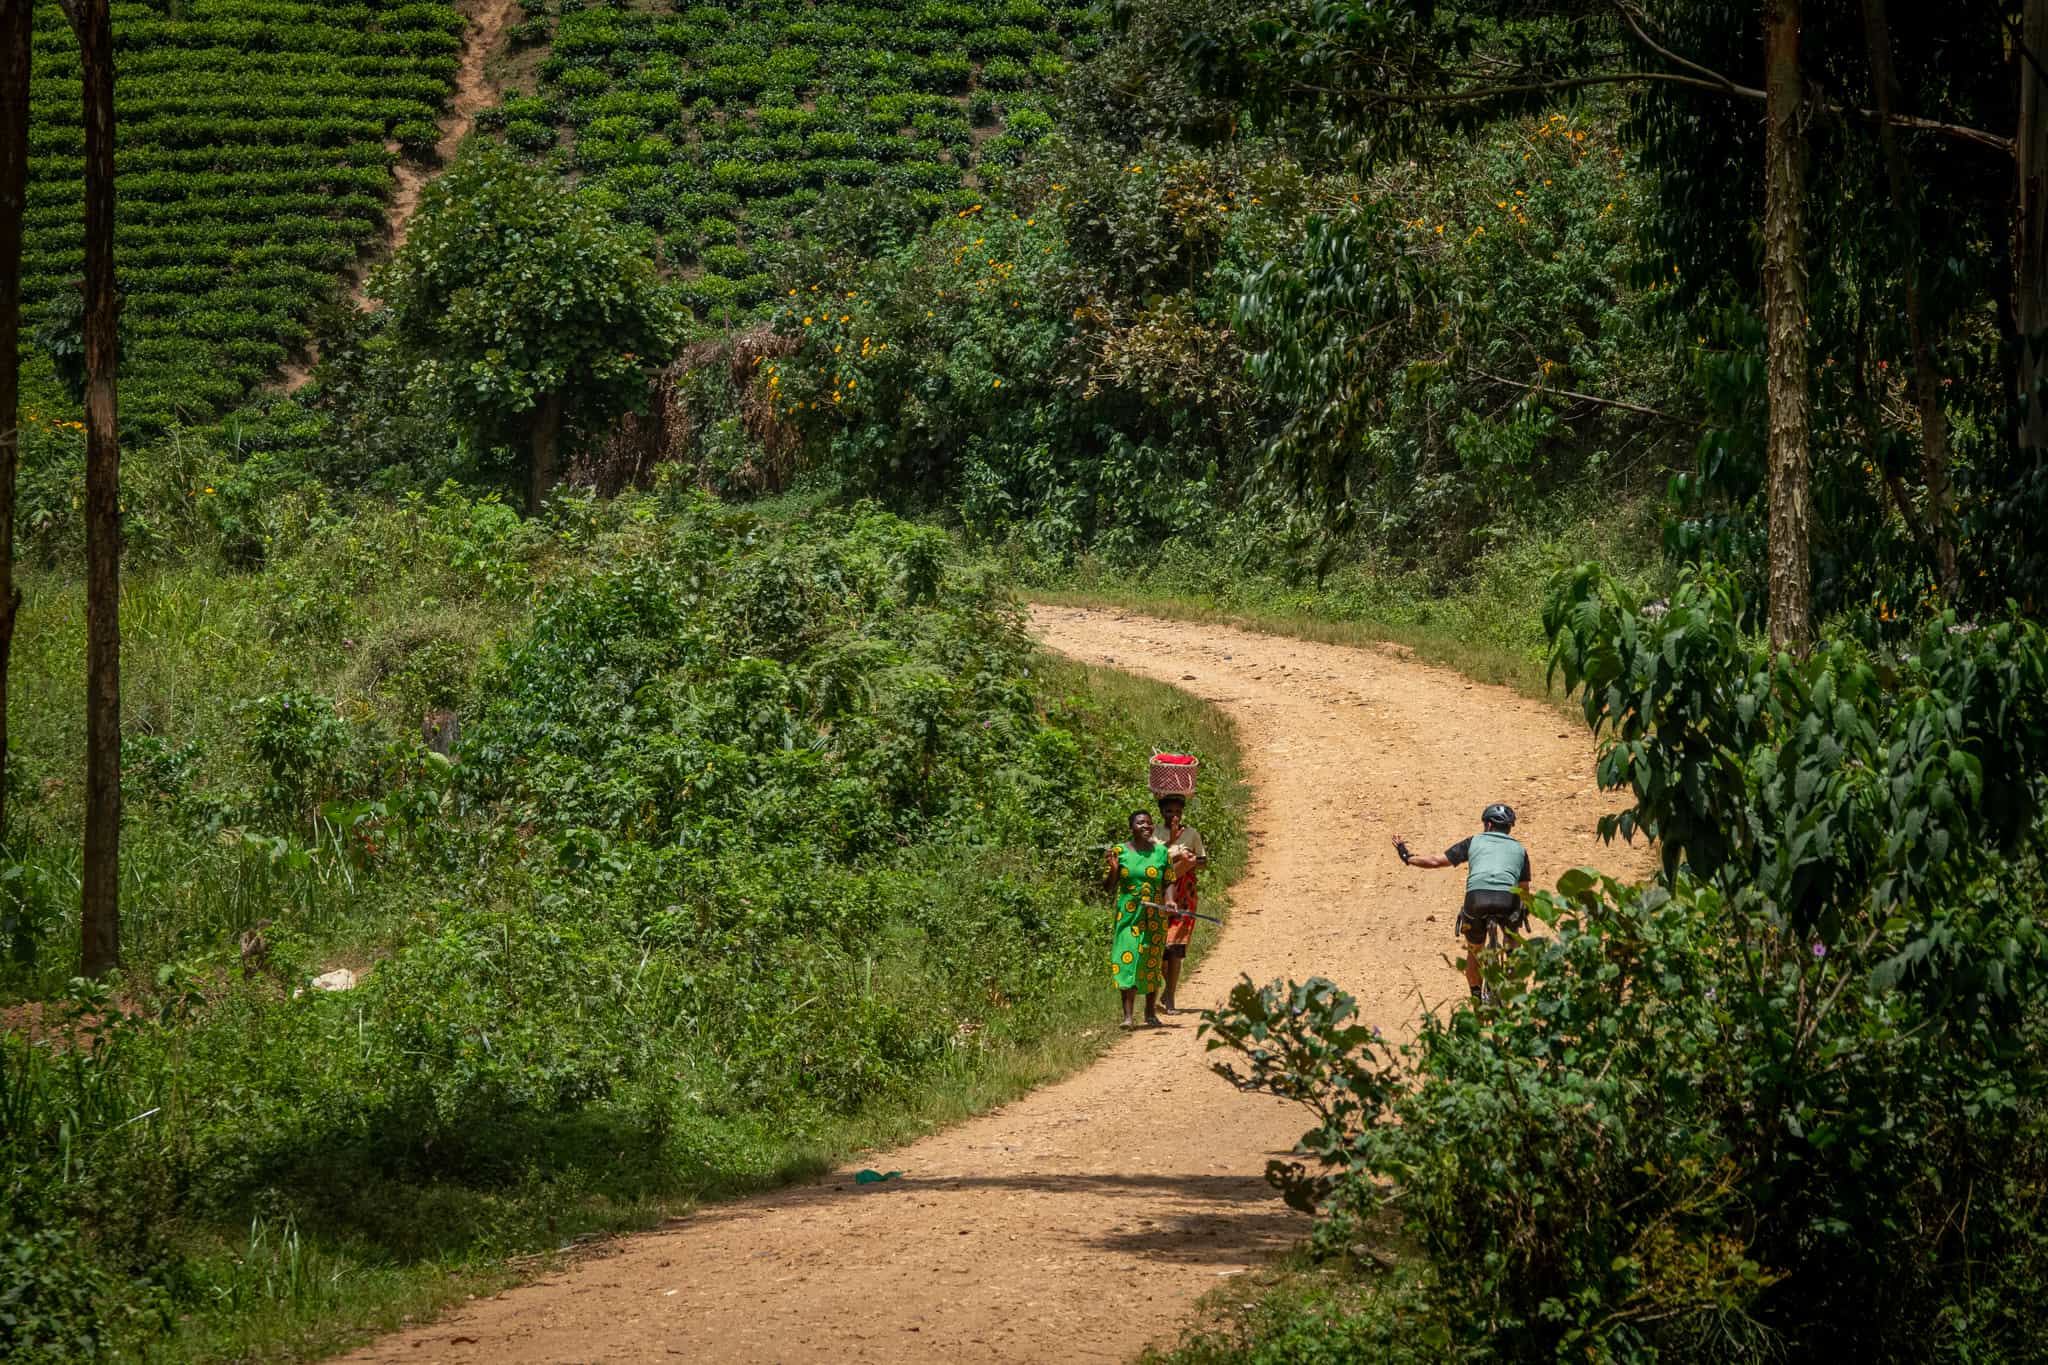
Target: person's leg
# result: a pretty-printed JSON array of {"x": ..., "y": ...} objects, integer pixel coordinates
[
  {"x": 1152, "y": 1007},
  {"x": 1473, "y": 948},
  {"x": 1130, "y": 995},
  {"x": 1473, "y": 931},
  {"x": 1173, "y": 959}
]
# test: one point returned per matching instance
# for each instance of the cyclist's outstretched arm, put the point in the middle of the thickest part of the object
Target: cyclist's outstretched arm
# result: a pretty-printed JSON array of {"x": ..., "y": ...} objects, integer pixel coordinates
[{"x": 1414, "y": 859}]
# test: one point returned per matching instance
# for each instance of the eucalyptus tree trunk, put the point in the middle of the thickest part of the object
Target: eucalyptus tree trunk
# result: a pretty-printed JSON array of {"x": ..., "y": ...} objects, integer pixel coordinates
[
  {"x": 1939, "y": 513},
  {"x": 2030, "y": 268},
  {"x": 16, "y": 33},
  {"x": 100, "y": 922},
  {"x": 1790, "y": 460}
]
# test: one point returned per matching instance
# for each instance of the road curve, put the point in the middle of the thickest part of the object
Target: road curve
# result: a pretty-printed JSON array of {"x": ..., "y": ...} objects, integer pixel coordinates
[{"x": 1083, "y": 1221}]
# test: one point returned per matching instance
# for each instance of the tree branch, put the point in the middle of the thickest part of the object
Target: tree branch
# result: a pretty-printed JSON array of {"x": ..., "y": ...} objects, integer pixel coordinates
[
  {"x": 1628, "y": 16},
  {"x": 1710, "y": 80},
  {"x": 1584, "y": 398}
]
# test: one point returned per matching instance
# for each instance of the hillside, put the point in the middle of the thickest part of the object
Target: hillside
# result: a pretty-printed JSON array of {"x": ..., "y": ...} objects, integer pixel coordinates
[
  {"x": 722, "y": 130},
  {"x": 712, "y": 816},
  {"x": 255, "y": 145}
]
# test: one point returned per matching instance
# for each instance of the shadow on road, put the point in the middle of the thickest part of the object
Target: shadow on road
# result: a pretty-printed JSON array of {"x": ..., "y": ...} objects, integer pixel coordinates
[{"x": 1188, "y": 1218}]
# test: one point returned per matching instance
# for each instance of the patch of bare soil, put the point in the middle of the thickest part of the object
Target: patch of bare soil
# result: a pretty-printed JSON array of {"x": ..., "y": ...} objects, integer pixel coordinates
[
  {"x": 474, "y": 93},
  {"x": 1084, "y": 1221}
]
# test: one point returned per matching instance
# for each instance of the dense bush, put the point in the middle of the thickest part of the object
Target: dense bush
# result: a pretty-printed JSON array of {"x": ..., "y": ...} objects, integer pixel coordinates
[
  {"x": 749, "y": 829},
  {"x": 1722, "y": 1116}
]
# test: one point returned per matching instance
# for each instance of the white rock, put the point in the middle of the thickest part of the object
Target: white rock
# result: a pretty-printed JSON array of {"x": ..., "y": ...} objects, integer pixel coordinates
[{"x": 340, "y": 979}]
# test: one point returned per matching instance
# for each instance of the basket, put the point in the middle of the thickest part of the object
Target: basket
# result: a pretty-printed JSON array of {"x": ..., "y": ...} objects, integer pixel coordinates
[{"x": 1173, "y": 774}]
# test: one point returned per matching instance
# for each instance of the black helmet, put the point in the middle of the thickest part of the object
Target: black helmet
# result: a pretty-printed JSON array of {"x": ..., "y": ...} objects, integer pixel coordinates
[{"x": 1499, "y": 813}]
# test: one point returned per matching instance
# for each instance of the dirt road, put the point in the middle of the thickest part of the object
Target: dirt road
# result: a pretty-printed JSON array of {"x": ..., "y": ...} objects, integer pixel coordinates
[{"x": 1085, "y": 1219}]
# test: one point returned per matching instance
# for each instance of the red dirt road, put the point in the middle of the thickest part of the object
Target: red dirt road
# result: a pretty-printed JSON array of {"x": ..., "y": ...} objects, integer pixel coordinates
[{"x": 1083, "y": 1221}]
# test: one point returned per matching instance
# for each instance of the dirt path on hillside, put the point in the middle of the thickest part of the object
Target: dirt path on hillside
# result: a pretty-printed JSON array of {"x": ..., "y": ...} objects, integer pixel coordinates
[
  {"x": 488, "y": 22},
  {"x": 1085, "y": 1219}
]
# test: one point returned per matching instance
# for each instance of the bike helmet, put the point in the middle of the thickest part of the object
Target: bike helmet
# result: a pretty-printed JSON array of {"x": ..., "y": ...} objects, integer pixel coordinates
[{"x": 1500, "y": 813}]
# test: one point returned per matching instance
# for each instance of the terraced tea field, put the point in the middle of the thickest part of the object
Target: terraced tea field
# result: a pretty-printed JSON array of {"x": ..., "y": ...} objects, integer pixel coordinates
[
  {"x": 716, "y": 127},
  {"x": 255, "y": 141}
]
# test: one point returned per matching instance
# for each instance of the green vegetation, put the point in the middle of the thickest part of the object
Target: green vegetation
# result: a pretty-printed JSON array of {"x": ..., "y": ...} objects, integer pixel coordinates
[
  {"x": 761, "y": 840},
  {"x": 1725, "y": 1112},
  {"x": 517, "y": 304},
  {"x": 723, "y": 131},
  {"x": 1346, "y": 320},
  {"x": 253, "y": 171}
]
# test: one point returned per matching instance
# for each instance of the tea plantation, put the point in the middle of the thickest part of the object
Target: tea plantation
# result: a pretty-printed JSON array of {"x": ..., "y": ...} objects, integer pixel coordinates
[
  {"x": 718, "y": 128},
  {"x": 255, "y": 141}
]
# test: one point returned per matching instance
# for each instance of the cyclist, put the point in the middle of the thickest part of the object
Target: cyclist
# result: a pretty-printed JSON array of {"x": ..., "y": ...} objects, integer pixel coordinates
[{"x": 1496, "y": 879}]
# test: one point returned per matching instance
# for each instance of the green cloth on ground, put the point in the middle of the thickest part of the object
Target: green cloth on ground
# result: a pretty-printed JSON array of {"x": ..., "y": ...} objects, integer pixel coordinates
[{"x": 1135, "y": 952}]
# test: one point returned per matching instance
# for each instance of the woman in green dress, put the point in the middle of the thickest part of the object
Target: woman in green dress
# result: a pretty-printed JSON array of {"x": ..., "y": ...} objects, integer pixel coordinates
[{"x": 1137, "y": 873}]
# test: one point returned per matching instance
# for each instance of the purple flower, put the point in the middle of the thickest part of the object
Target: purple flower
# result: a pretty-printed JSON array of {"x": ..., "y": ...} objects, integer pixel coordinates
[{"x": 1820, "y": 950}]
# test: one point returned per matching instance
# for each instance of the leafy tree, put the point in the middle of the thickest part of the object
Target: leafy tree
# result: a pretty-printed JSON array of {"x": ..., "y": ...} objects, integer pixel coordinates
[
  {"x": 1900, "y": 210},
  {"x": 1786, "y": 1100},
  {"x": 527, "y": 307}
]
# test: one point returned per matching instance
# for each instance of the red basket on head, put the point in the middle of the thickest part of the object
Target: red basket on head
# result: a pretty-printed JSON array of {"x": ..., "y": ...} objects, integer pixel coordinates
[{"x": 1174, "y": 774}]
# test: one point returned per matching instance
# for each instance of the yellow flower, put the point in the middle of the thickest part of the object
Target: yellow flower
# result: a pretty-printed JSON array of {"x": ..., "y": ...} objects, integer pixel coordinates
[
  {"x": 996, "y": 385},
  {"x": 807, "y": 322}
]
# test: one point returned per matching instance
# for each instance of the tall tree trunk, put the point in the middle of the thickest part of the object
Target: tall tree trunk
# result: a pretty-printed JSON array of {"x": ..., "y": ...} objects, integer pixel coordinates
[
  {"x": 547, "y": 437},
  {"x": 2030, "y": 271},
  {"x": 16, "y": 32},
  {"x": 100, "y": 949},
  {"x": 1791, "y": 590},
  {"x": 1940, "y": 514}
]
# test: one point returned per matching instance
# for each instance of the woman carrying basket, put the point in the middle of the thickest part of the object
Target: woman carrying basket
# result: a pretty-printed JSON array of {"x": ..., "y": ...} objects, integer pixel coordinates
[{"x": 1137, "y": 873}]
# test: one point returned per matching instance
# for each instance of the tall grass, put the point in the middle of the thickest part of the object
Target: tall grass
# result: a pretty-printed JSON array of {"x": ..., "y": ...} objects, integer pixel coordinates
[{"x": 544, "y": 1051}]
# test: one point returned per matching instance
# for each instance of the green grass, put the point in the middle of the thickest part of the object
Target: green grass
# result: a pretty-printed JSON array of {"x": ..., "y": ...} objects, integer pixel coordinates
[
  {"x": 286, "y": 1300},
  {"x": 286, "y": 1199},
  {"x": 1485, "y": 622},
  {"x": 1300, "y": 1311}
]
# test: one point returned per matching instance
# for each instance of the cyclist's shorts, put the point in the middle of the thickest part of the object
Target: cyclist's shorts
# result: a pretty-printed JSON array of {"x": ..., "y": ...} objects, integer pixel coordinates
[{"x": 1484, "y": 909}]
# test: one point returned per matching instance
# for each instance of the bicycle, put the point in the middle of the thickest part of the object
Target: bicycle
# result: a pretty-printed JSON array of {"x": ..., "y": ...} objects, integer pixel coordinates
[{"x": 1493, "y": 961}]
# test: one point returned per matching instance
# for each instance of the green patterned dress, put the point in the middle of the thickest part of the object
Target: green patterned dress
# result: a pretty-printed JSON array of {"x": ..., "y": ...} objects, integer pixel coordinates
[{"x": 1134, "y": 956}]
